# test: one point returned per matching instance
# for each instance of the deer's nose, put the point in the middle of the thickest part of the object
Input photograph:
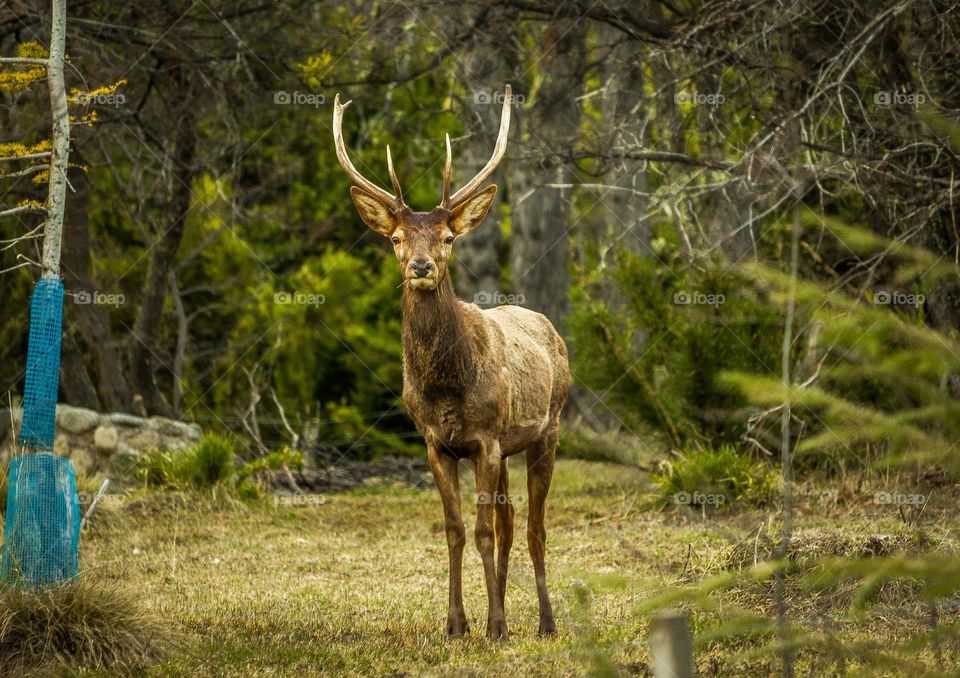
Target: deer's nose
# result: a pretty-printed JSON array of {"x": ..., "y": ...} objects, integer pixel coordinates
[{"x": 421, "y": 267}]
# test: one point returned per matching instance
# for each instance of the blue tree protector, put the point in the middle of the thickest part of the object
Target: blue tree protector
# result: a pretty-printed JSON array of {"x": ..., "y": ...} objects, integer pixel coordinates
[{"x": 42, "y": 526}]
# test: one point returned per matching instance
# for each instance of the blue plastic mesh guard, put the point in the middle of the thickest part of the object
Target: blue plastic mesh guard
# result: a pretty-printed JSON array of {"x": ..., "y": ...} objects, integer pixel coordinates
[
  {"x": 43, "y": 522},
  {"x": 43, "y": 365},
  {"x": 43, "y": 517}
]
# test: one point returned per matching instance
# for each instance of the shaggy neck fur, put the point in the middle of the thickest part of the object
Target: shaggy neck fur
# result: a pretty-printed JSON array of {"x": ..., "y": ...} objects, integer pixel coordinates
[{"x": 437, "y": 344}]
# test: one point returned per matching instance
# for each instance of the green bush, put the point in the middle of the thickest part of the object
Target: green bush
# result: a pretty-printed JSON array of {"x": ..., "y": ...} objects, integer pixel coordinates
[
  {"x": 653, "y": 333},
  {"x": 204, "y": 465},
  {"x": 212, "y": 463},
  {"x": 716, "y": 477}
]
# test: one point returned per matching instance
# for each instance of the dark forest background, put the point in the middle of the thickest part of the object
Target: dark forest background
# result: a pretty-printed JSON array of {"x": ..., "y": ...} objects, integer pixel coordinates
[{"x": 662, "y": 156}]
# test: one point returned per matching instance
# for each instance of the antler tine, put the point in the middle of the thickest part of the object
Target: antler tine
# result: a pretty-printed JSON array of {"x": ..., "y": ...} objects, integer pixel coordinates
[
  {"x": 358, "y": 179},
  {"x": 394, "y": 180},
  {"x": 445, "y": 198},
  {"x": 498, "y": 152}
]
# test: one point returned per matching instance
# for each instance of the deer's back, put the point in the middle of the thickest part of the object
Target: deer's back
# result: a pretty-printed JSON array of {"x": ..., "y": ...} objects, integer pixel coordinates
[{"x": 535, "y": 366}]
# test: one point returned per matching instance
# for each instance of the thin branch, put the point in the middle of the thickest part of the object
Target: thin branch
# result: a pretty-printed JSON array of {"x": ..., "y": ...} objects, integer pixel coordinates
[
  {"x": 23, "y": 209},
  {"x": 23, "y": 60},
  {"x": 29, "y": 156}
]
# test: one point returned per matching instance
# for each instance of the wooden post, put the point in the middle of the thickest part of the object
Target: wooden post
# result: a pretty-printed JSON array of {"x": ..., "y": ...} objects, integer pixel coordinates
[{"x": 671, "y": 646}]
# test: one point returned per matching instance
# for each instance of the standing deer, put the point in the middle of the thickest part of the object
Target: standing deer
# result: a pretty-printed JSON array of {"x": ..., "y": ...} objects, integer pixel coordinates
[{"x": 479, "y": 384}]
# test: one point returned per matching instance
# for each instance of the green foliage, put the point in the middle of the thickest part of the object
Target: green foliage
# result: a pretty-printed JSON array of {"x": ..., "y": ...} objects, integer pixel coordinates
[
  {"x": 363, "y": 438},
  {"x": 707, "y": 474},
  {"x": 212, "y": 463},
  {"x": 928, "y": 579},
  {"x": 656, "y": 354},
  {"x": 584, "y": 443},
  {"x": 206, "y": 464},
  {"x": 877, "y": 376}
]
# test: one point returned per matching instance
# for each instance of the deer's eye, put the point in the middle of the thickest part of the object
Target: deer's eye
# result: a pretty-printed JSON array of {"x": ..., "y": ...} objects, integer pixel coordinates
[
  {"x": 395, "y": 240},
  {"x": 449, "y": 239}
]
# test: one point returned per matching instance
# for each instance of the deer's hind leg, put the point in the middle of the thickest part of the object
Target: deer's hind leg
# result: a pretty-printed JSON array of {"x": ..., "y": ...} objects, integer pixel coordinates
[
  {"x": 540, "y": 462},
  {"x": 504, "y": 515}
]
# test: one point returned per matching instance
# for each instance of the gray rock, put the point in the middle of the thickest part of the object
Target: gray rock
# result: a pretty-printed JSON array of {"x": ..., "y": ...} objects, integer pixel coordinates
[
  {"x": 170, "y": 428},
  {"x": 145, "y": 439},
  {"x": 105, "y": 438},
  {"x": 76, "y": 419},
  {"x": 82, "y": 460},
  {"x": 175, "y": 444},
  {"x": 194, "y": 432},
  {"x": 124, "y": 419},
  {"x": 125, "y": 457}
]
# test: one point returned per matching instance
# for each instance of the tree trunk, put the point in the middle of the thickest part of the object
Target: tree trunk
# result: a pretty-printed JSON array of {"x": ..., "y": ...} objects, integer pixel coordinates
[
  {"x": 75, "y": 384},
  {"x": 627, "y": 226},
  {"x": 90, "y": 318},
  {"x": 60, "y": 146},
  {"x": 144, "y": 351},
  {"x": 484, "y": 70},
  {"x": 538, "y": 245}
]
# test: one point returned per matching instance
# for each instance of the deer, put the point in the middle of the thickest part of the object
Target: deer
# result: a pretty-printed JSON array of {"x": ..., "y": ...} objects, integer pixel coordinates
[{"x": 479, "y": 385}]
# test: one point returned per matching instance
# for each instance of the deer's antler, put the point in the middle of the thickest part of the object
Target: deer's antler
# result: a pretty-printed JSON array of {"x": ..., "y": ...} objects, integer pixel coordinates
[
  {"x": 394, "y": 200},
  {"x": 500, "y": 148}
]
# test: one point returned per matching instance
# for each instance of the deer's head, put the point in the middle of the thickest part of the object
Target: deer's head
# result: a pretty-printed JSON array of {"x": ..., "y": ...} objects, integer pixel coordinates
[{"x": 423, "y": 241}]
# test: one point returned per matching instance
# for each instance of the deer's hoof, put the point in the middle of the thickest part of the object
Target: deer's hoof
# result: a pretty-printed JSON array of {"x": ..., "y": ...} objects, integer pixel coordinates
[
  {"x": 497, "y": 629},
  {"x": 457, "y": 628},
  {"x": 547, "y": 628}
]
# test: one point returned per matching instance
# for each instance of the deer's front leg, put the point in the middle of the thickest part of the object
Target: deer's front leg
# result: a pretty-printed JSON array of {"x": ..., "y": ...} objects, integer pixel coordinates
[
  {"x": 488, "y": 476},
  {"x": 445, "y": 474}
]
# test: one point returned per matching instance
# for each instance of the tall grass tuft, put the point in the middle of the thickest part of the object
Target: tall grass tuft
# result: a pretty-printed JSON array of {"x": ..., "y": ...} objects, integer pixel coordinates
[
  {"x": 707, "y": 473},
  {"x": 212, "y": 463},
  {"x": 204, "y": 465},
  {"x": 82, "y": 623}
]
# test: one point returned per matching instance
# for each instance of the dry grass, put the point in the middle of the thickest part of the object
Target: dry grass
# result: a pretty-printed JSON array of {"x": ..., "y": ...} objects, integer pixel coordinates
[
  {"x": 85, "y": 623},
  {"x": 354, "y": 583}
]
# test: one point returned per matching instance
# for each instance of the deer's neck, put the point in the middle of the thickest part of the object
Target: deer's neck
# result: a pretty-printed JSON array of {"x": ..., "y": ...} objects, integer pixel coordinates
[{"x": 438, "y": 347}]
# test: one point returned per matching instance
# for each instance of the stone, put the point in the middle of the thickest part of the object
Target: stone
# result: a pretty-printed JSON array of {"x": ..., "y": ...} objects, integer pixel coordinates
[
  {"x": 83, "y": 462},
  {"x": 194, "y": 432},
  {"x": 176, "y": 429},
  {"x": 145, "y": 439},
  {"x": 163, "y": 425},
  {"x": 175, "y": 444},
  {"x": 105, "y": 438},
  {"x": 125, "y": 457},
  {"x": 76, "y": 419},
  {"x": 61, "y": 445},
  {"x": 124, "y": 419}
]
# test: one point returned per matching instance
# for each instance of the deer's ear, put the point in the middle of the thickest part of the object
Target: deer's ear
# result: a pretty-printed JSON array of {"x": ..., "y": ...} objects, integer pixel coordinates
[
  {"x": 374, "y": 213},
  {"x": 470, "y": 213}
]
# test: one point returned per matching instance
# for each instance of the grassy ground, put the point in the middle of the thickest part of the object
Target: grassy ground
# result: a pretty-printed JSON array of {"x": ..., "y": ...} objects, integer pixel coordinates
[{"x": 354, "y": 583}]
